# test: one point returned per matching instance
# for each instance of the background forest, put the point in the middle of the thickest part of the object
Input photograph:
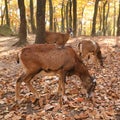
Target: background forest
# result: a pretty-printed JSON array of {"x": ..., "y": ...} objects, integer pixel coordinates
[{"x": 86, "y": 17}]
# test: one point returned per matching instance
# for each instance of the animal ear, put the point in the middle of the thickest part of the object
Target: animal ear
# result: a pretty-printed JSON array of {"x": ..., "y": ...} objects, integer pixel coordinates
[
  {"x": 69, "y": 29},
  {"x": 72, "y": 30}
]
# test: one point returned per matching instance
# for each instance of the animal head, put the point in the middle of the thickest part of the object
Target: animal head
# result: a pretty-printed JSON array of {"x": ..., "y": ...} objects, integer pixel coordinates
[
  {"x": 91, "y": 87},
  {"x": 70, "y": 31}
]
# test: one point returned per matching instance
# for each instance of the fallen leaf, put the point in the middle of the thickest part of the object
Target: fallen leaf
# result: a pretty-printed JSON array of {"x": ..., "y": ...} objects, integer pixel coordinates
[
  {"x": 16, "y": 117},
  {"x": 73, "y": 91},
  {"x": 81, "y": 116},
  {"x": 9, "y": 115},
  {"x": 72, "y": 104},
  {"x": 79, "y": 99},
  {"x": 48, "y": 107},
  {"x": 2, "y": 101},
  {"x": 110, "y": 113}
]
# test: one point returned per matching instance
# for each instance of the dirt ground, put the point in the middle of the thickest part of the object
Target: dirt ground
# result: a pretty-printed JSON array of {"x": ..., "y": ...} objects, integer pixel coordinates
[{"x": 106, "y": 105}]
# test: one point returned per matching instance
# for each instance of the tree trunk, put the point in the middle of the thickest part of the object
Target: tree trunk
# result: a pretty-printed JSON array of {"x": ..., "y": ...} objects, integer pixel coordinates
[
  {"x": 93, "y": 33},
  {"x": 40, "y": 17},
  {"x": 55, "y": 24},
  {"x": 74, "y": 17},
  {"x": 70, "y": 14},
  {"x": 114, "y": 20},
  {"x": 67, "y": 20},
  {"x": 51, "y": 15},
  {"x": 62, "y": 17},
  {"x": 2, "y": 16},
  {"x": 22, "y": 30},
  {"x": 104, "y": 25},
  {"x": 81, "y": 25},
  {"x": 118, "y": 22},
  {"x": 100, "y": 18},
  {"x": 32, "y": 17},
  {"x": 106, "y": 18},
  {"x": 7, "y": 16}
]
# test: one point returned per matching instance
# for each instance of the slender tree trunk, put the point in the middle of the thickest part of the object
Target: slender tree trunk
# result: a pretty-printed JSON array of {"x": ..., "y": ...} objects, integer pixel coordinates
[
  {"x": 106, "y": 18},
  {"x": 118, "y": 25},
  {"x": 70, "y": 14},
  {"x": 67, "y": 15},
  {"x": 7, "y": 16},
  {"x": 32, "y": 17},
  {"x": 81, "y": 25},
  {"x": 2, "y": 16},
  {"x": 118, "y": 22},
  {"x": 114, "y": 20},
  {"x": 55, "y": 24},
  {"x": 100, "y": 18},
  {"x": 62, "y": 18},
  {"x": 51, "y": 15},
  {"x": 93, "y": 33},
  {"x": 55, "y": 20},
  {"x": 40, "y": 17},
  {"x": 118, "y": 29},
  {"x": 104, "y": 25},
  {"x": 75, "y": 17}
]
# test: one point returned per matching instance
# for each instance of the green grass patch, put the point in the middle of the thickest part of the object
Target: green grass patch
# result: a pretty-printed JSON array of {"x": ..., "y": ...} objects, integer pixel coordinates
[{"x": 5, "y": 30}]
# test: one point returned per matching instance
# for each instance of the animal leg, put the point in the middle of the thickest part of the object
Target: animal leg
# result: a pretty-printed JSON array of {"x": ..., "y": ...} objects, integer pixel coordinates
[
  {"x": 17, "y": 88},
  {"x": 29, "y": 85},
  {"x": 24, "y": 78}
]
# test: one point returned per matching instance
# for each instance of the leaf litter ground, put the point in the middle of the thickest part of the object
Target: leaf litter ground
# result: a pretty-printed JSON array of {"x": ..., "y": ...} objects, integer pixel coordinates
[{"x": 105, "y": 105}]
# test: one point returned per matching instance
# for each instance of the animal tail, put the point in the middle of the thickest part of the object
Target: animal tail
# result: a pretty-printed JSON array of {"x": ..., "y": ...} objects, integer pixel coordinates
[
  {"x": 17, "y": 58},
  {"x": 80, "y": 48}
]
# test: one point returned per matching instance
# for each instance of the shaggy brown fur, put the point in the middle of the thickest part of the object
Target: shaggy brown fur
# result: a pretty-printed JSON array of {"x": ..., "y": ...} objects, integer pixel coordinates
[
  {"x": 87, "y": 47},
  {"x": 57, "y": 37},
  {"x": 48, "y": 57}
]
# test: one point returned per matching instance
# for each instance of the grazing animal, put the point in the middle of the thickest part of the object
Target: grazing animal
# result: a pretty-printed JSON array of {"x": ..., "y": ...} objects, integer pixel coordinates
[
  {"x": 88, "y": 47},
  {"x": 47, "y": 57},
  {"x": 58, "y": 38}
]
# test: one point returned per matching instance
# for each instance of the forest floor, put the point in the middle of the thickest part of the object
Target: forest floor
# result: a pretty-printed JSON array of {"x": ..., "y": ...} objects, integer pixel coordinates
[{"x": 106, "y": 105}]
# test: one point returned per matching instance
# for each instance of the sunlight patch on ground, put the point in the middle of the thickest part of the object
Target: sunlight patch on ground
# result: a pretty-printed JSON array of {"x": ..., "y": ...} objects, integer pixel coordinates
[
  {"x": 106, "y": 40},
  {"x": 6, "y": 47},
  {"x": 6, "y": 53},
  {"x": 110, "y": 41}
]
